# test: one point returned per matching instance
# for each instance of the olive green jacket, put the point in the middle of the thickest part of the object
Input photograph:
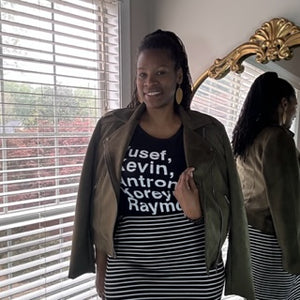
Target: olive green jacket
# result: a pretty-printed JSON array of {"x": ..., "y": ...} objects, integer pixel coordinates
[
  {"x": 208, "y": 150},
  {"x": 271, "y": 187}
]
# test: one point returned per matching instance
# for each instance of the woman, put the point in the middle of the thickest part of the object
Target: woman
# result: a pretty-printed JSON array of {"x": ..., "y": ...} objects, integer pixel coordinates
[
  {"x": 159, "y": 192},
  {"x": 268, "y": 165}
]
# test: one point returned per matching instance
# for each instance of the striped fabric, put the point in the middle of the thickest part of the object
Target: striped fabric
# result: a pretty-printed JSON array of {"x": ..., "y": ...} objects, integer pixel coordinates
[
  {"x": 271, "y": 282},
  {"x": 161, "y": 257}
]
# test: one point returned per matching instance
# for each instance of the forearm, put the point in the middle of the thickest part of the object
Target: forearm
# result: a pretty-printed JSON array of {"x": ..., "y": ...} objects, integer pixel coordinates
[{"x": 101, "y": 261}]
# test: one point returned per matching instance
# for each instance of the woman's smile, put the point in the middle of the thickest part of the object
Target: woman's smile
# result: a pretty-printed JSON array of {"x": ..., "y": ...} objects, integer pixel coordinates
[{"x": 154, "y": 93}]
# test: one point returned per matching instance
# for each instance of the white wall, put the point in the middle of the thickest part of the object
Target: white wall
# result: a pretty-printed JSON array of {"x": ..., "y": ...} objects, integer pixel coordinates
[
  {"x": 208, "y": 28},
  {"x": 211, "y": 28}
]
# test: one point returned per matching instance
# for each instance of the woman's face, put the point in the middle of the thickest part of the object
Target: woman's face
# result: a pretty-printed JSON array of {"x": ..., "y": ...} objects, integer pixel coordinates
[
  {"x": 291, "y": 110},
  {"x": 157, "y": 78}
]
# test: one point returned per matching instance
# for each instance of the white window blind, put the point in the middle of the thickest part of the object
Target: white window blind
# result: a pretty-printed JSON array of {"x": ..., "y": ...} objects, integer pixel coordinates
[
  {"x": 59, "y": 72},
  {"x": 223, "y": 99}
]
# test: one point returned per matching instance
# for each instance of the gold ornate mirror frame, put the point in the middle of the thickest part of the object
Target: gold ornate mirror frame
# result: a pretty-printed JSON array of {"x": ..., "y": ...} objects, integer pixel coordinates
[{"x": 273, "y": 41}]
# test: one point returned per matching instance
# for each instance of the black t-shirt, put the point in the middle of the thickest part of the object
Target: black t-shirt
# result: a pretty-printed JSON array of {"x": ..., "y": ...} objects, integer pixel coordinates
[{"x": 150, "y": 171}]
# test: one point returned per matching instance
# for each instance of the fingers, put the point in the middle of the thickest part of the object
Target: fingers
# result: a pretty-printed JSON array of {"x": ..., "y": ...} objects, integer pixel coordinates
[
  {"x": 186, "y": 179},
  {"x": 192, "y": 182},
  {"x": 185, "y": 187},
  {"x": 189, "y": 171}
]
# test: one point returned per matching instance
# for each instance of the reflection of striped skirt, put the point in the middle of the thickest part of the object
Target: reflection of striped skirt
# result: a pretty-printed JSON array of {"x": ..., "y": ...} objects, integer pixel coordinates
[{"x": 270, "y": 280}]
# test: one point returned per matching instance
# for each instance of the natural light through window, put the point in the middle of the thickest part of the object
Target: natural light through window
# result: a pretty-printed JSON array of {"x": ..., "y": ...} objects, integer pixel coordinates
[{"x": 59, "y": 72}]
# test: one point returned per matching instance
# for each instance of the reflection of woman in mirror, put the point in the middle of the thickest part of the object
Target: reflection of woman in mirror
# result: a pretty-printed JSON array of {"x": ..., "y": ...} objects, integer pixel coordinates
[
  {"x": 268, "y": 165},
  {"x": 159, "y": 193}
]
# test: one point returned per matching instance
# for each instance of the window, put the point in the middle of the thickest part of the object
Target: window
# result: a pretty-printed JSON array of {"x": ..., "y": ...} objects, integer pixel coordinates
[{"x": 59, "y": 72}]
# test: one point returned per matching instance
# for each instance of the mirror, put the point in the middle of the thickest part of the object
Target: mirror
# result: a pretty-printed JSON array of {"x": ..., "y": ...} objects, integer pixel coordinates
[
  {"x": 277, "y": 44},
  {"x": 273, "y": 46},
  {"x": 273, "y": 41}
]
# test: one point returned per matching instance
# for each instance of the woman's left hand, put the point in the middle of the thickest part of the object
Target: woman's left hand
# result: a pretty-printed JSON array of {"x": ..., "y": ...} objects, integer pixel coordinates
[{"x": 187, "y": 195}]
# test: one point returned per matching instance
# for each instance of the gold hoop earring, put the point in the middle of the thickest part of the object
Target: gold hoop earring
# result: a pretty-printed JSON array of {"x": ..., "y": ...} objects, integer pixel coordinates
[{"x": 179, "y": 95}]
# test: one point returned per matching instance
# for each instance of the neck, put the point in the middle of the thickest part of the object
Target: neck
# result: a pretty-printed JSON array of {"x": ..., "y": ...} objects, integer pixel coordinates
[{"x": 159, "y": 123}]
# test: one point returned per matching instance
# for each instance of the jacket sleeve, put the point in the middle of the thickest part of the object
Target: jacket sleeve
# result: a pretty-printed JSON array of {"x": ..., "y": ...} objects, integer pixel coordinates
[
  {"x": 82, "y": 251},
  {"x": 238, "y": 264},
  {"x": 281, "y": 173}
]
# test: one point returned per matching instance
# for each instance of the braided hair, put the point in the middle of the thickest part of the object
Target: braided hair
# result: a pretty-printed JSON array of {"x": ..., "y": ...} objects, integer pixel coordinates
[
  {"x": 168, "y": 40},
  {"x": 259, "y": 110}
]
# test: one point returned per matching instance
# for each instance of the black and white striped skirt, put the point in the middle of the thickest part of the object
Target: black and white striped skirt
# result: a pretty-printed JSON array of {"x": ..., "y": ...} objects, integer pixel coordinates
[
  {"x": 271, "y": 281},
  {"x": 161, "y": 257}
]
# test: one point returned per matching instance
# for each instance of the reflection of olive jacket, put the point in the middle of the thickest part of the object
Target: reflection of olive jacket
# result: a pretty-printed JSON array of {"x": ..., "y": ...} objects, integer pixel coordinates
[
  {"x": 207, "y": 149},
  {"x": 271, "y": 186}
]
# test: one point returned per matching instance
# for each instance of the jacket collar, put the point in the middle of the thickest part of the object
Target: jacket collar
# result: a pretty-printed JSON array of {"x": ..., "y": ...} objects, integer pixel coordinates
[
  {"x": 115, "y": 146},
  {"x": 132, "y": 117},
  {"x": 189, "y": 120},
  {"x": 287, "y": 130},
  {"x": 198, "y": 151}
]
